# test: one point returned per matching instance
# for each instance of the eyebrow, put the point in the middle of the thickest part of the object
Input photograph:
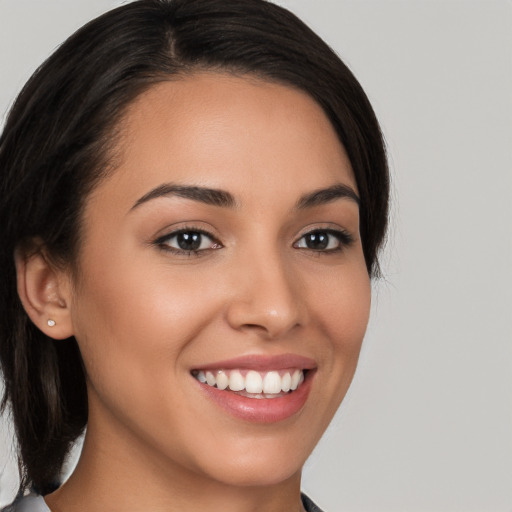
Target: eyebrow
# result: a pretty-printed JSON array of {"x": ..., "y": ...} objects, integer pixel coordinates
[
  {"x": 224, "y": 199},
  {"x": 205, "y": 195},
  {"x": 327, "y": 195}
]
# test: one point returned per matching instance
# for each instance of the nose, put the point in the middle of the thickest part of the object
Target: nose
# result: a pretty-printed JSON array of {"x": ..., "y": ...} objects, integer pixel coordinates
[{"x": 265, "y": 297}]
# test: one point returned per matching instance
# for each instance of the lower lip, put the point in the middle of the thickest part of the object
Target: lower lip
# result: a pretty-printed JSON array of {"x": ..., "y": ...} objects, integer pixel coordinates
[{"x": 261, "y": 410}]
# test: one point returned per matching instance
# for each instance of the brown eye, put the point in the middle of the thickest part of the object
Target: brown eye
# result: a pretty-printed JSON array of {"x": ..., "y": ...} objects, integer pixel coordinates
[
  {"x": 318, "y": 241},
  {"x": 324, "y": 240},
  {"x": 188, "y": 241}
]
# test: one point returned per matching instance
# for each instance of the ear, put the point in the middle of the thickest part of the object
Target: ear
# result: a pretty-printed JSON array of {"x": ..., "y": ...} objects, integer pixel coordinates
[{"x": 44, "y": 291}]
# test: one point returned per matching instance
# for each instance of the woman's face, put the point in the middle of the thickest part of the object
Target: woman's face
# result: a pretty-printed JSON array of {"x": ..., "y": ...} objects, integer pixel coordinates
[{"x": 225, "y": 247}]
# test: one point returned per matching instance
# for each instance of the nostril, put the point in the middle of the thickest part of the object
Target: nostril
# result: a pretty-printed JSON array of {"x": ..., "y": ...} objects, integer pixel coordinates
[{"x": 264, "y": 302}]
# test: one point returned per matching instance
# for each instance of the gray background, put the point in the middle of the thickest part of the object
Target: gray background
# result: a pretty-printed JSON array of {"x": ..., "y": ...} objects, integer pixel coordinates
[{"x": 427, "y": 424}]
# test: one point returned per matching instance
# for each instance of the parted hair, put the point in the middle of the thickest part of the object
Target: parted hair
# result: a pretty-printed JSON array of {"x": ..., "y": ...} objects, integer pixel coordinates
[{"x": 58, "y": 142}]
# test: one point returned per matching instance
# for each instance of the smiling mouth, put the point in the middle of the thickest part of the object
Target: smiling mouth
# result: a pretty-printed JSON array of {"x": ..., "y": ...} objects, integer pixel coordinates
[{"x": 251, "y": 383}]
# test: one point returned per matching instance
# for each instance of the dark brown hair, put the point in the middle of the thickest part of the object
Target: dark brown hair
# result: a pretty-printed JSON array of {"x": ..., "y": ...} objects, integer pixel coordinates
[{"x": 56, "y": 146}]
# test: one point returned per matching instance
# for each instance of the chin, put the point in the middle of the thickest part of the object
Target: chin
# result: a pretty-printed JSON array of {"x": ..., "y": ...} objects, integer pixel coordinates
[
  {"x": 262, "y": 461},
  {"x": 264, "y": 473}
]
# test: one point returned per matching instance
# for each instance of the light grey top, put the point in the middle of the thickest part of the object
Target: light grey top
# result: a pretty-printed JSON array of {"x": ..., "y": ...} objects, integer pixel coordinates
[{"x": 30, "y": 503}]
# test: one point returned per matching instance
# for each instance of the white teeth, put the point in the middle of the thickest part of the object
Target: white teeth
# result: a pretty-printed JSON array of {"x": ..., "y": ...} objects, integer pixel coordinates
[
  {"x": 286, "y": 382},
  {"x": 210, "y": 379},
  {"x": 272, "y": 383},
  {"x": 295, "y": 380},
  {"x": 236, "y": 381},
  {"x": 222, "y": 380},
  {"x": 255, "y": 384}
]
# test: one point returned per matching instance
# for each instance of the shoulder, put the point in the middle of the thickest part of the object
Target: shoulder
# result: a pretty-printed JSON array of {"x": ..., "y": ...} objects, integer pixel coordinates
[
  {"x": 30, "y": 503},
  {"x": 309, "y": 506}
]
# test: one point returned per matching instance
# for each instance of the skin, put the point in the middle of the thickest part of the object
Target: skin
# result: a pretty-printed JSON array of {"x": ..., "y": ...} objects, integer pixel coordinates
[{"x": 144, "y": 316}]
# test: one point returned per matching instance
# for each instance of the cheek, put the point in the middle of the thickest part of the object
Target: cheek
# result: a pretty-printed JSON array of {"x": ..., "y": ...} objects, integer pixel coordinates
[
  {"x": 342, "y": 312},
  {"x": 132, "y": 317},
  {"x": 344, "y": 309}
]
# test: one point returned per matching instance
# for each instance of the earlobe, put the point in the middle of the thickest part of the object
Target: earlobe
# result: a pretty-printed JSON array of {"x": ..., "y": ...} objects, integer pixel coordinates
[{"x": 44, "y": 293}]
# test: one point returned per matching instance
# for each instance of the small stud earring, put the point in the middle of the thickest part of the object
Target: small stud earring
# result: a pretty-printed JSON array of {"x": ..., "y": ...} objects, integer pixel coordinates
[{"x": 51, "y": 323}]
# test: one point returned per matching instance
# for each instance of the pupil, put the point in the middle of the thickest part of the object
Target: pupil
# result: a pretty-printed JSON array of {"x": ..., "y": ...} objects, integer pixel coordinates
[
  {"x": 190, "y": 241},
  {"x": 317, "y": 240}
]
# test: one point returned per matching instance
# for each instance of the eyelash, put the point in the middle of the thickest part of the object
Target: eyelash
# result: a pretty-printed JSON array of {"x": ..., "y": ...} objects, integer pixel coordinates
[
  {"x": 344, "y": 238},
  {"x": 163, "y": 242}
]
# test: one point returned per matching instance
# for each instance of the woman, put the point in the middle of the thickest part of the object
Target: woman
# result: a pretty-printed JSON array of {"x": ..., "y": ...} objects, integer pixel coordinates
[{"x": 195, "y": 195}]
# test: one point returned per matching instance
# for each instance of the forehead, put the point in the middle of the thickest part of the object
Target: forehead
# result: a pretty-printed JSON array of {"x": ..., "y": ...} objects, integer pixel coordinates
[{"x": 224, "y": 131}]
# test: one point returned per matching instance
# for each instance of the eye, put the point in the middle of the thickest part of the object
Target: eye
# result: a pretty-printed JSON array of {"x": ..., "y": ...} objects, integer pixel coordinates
[
  {"x": 324, "y": 240},
  {"x": 188, "y": 241}
]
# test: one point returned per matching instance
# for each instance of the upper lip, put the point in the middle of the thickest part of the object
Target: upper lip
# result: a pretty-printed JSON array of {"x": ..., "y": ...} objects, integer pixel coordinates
[{"x": 262, "y": 363}]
